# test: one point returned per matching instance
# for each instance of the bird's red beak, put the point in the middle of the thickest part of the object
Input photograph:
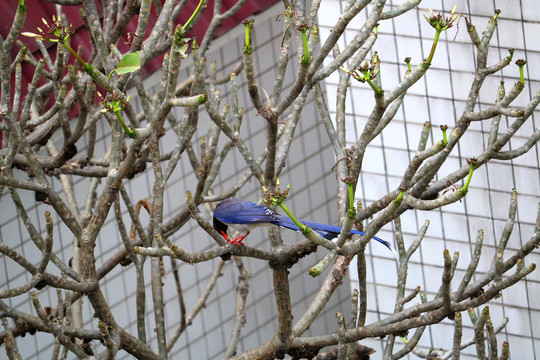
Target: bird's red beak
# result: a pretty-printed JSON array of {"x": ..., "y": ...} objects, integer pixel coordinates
[{"x": 224, "y": 234}]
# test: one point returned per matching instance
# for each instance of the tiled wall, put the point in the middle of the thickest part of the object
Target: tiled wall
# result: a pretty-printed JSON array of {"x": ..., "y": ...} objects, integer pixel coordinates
[
  {"x": 313, "y": 189},
  {"x": 439, "y": 97}
]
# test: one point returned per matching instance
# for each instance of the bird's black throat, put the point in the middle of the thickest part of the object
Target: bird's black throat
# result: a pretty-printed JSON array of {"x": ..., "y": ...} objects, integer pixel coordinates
[{"x": 220, "y": 226}]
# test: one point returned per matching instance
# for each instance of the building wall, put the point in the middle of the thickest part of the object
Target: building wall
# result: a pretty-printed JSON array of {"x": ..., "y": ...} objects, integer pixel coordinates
[
  {"x": 440, "y": 97},
  {"x": 313, "y": 189}
]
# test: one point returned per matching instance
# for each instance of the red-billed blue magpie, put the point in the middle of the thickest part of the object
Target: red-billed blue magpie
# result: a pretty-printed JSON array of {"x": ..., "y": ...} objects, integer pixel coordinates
[{"x": 243, "y": 216}]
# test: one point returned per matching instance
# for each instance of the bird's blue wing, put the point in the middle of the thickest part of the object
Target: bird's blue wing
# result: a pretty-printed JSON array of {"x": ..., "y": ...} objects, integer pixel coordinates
[{"x": 236, "y": 211}]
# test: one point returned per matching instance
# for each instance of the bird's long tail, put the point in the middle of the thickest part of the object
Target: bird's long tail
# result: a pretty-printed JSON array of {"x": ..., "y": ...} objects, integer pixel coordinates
[{"x": 328, "y": 231}]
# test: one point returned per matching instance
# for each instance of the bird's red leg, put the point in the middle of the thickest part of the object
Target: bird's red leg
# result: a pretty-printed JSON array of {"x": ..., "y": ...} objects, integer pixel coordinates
[{"x": 238, "y": 240}]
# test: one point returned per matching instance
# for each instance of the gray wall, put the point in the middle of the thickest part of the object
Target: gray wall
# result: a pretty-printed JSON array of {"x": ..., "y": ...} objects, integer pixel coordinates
[
  {"x": 313, "y": 189},
  {"x": 439, "y": 97}
]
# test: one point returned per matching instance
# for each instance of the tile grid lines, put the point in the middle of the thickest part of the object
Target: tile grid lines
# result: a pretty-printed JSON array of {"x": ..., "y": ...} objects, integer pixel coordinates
[{"x": 385, "y": 147}]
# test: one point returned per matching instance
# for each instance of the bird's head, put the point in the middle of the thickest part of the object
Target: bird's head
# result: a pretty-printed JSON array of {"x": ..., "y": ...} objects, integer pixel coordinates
[{"x": 220, "y": 227}]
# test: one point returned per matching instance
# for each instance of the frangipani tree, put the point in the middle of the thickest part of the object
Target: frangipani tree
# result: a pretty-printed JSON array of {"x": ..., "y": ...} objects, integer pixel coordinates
[{"x": 50, "y": 141}]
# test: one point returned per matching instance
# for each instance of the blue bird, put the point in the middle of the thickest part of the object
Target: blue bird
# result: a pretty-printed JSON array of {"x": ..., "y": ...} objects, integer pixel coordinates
[{"x": 243, "y": 216}]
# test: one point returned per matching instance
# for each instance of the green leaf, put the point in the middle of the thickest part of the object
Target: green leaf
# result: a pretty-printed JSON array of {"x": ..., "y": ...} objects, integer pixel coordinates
[
  {"x": 183, "y": 50},
  {"x": 130, "y": 63}
]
